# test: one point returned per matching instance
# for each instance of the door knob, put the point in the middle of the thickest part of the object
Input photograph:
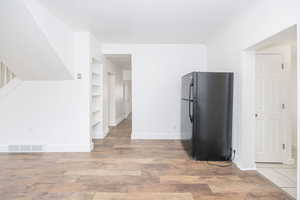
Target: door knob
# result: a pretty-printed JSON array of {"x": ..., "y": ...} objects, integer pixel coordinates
[{"x": 256, "y": 115}]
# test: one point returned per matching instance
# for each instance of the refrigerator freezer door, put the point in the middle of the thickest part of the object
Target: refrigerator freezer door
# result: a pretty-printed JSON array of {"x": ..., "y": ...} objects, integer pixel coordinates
[{"x": 188, "y": 109}]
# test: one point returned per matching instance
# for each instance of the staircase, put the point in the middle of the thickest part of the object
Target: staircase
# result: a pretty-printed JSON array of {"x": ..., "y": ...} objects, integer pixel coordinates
[{"x": 5, "y": 75}]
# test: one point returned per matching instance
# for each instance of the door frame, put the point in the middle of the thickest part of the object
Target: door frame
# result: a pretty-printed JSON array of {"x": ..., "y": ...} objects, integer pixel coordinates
[
  {"x": 245, "y": 139},
  {"x": 247, "y": 107},
  {"x": 111, "y": 106}
]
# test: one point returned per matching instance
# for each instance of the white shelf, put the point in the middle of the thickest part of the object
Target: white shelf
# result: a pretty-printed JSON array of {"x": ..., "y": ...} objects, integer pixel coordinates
[
  {"x": 96, "y": 84},
  {"x": 95, "y": 110},
  {"x": 95, "y": 61},
  {"x": 96, "y": 97},
  {"x": 97, "y": 73},
  {"x": 96, "y": 122},
  {"x": 96, "y": 94}
]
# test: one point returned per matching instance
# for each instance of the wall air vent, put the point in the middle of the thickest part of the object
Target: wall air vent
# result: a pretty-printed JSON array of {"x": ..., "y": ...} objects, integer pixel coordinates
[{"x": 25, "y": 148}]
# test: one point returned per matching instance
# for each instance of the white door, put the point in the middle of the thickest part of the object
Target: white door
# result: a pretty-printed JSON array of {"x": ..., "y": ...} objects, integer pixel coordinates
[
  {"x": 269, "y": 105},
  {"x": 112, "y": 100},
  {"x": 127, "y": 97}
]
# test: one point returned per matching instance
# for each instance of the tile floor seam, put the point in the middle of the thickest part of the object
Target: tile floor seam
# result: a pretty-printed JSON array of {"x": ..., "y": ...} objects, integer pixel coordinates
[{"x": 285, "y": 176}]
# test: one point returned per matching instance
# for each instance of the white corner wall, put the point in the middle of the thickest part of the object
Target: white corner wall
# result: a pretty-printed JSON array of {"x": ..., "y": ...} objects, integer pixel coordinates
[
  {"x": 156, "y": 85},
  {"x": 34, "y": 44},
  {"x": 59, "y": 35},
  {"x": 55, "y": 114},
  {"x": 225, "y": 52}
]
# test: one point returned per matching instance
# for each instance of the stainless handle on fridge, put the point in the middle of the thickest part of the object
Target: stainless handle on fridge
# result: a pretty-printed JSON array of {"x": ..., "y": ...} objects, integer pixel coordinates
[{"x": 190, "y": 101}]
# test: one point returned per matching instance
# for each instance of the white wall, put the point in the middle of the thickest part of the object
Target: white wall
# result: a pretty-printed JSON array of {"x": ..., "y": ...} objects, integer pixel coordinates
[
  {"x": 156, "y": 85},
  {"x": 118, "y": 93},
  {"x": 113, "y": 94},
  {"x": 55, "y": 114},
  {"x": 293, "y": 89},
  {"x": 127, "y": 97},
  {"x": 127, "y": 93},
  {"x": 106, "y": 97},
  {"x": 225, "y": 52}
]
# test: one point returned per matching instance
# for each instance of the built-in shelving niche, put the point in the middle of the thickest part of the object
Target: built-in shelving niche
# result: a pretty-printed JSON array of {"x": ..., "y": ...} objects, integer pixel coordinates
[{"x": 96, "y": 99}]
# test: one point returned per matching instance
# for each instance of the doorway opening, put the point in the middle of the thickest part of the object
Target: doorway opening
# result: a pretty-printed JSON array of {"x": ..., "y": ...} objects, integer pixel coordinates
[
  {"x": 117, "y": 96},
  {"x": 274, "y": 71}
]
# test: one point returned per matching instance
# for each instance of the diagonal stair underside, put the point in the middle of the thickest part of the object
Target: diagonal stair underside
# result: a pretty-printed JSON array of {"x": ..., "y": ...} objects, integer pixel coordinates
[{"x": 25, "y": 47}]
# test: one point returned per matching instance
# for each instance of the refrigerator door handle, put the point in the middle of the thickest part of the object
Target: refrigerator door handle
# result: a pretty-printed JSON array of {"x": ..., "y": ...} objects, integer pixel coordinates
[{"x": 190, "y": 101}]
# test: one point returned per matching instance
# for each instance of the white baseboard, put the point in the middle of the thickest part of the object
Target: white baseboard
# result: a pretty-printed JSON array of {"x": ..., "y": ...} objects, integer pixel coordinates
[
  {"x": 3, "y": 148},
  {"x": 127, "y": 115},
  {"x": 244, "y": 168},
  {"x": 102, "y": 135},
  {"x": 289, "y": 161},
  {"x": 98, "y": 137},
  {"x": 106, "y": 131},
  {"x": 116, "y": 122},
  {"x": 68, "y": 148},
  {"x": 248, "y": 169},
  {"x": 157, "y": 136},
  {"x": 54, "y": 148},
  {"x": 91, "y": 146}
]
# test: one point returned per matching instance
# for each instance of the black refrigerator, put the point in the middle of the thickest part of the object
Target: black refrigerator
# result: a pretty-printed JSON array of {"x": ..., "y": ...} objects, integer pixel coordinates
[{"x": 206, "y": 114}]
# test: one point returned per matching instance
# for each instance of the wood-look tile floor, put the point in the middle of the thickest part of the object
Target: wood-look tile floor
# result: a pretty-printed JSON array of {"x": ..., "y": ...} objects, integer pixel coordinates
[{"x": 121, "y": 169}]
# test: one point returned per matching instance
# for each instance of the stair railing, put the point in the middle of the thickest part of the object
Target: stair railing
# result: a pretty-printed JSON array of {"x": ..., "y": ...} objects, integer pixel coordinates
[{"x": 5, "y": 75}]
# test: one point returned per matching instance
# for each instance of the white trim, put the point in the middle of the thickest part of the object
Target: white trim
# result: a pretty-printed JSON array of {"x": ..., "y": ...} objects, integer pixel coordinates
[
  {"x": 111, "y": 123},
  {"x": 247, "y": 110},
  {"x": 289, "y": 161},
  {"x": 157, "y": 136},
  {"x": 91, "y": 146},
  {"x": 98, "y": 135},
  {"x": 298, "y": 110},
  {"x": 238, "y": 164},
  {"x": 126, "y": 115},
  {"x": 248, "y": 169},
  {"x": 68, "y": 148},
  {"x": 117, "y": 121},
  {"x": 56, "y": 148},
  {"x": 106, "y": 131}
]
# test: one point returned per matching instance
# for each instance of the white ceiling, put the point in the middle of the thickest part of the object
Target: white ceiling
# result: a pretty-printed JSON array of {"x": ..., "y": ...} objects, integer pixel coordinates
[
  {"x": 148, "y": 21},
  {"x": 120, "y": 60}
]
